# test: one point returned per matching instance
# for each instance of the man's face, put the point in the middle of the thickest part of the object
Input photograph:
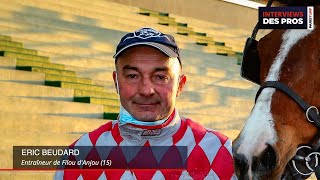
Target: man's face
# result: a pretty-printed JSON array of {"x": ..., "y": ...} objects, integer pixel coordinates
[{"x": 149, "y": 82}]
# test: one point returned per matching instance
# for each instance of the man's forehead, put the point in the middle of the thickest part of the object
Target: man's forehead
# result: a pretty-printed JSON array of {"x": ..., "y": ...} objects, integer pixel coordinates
[
  {"x": 143, "y": 57},
  {"x": 141, "y": 51},
  {"x": 139, "y": 68}
]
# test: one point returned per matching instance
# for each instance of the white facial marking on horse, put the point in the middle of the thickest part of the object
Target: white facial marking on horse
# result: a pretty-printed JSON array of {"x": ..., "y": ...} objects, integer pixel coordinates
[{"x": 259, "y": 128}]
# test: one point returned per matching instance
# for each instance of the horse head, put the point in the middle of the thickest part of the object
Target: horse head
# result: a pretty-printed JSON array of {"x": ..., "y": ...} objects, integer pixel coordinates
[{"x": 288, "y": 72}]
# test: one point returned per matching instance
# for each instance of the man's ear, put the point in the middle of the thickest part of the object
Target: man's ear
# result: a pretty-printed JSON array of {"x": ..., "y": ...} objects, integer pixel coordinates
[
  {"x": 182, "y": 82},
  {"x": 114, "y": 75}
]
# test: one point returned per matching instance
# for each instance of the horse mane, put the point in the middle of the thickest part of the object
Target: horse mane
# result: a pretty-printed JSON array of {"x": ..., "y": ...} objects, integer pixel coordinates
[{"x": 298, "y": 2}]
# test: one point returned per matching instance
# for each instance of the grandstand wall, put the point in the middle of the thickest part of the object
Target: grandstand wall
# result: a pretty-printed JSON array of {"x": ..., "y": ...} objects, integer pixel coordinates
[{"x": 218, "y": 11}]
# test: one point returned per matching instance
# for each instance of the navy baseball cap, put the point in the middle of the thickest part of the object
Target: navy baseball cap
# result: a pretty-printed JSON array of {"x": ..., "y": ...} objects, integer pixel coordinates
[{"x": 149, "y": 37}]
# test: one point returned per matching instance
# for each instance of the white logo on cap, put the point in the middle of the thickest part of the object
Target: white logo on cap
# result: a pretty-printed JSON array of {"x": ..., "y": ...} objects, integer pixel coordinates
[{"x": 146, "y": 33}]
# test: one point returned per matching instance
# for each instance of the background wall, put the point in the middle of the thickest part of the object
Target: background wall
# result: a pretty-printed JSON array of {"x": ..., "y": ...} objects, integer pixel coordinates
[{"x": 217, "y": 11}]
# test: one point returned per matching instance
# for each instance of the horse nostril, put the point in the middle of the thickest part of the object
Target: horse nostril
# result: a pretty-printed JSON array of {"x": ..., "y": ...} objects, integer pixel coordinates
[
  {"x": 267, "y": 160},
  {"x": 241, "y": 165}
]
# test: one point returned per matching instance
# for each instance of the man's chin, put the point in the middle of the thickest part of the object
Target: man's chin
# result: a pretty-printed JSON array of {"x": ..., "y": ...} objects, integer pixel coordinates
[{"x": 147, "y": 117}]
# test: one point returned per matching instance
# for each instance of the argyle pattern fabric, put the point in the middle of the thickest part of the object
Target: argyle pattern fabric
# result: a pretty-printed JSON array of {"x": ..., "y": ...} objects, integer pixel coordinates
[{"x": 209, "y": 154}]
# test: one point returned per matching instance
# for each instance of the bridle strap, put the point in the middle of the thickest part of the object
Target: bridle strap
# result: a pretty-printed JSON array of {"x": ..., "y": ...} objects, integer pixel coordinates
[
  {"x": 311, "y": 111},
  {"x": 256, "y": 28}
]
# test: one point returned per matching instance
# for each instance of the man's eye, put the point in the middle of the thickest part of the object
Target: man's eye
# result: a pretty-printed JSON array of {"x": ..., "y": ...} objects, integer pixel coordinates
[
  {"x": 132, "y": 76},
  {"x": 161, "y": 77}
]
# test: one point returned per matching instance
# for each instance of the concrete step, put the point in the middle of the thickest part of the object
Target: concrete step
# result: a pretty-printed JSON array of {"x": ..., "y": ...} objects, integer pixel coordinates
[
  {"x": 33, "y": 91},
  {"x": 94, "y": 100},
  {"x": 35, "y": 123},
  {"x": 217, "y": 95},
  {"x": 6, "y": 38},
  {"x": 92, "y": 49},
  {"x": 202, "y": 59},
  {"x": 220, "y": 96},
  {"x": 221, "y": 36},
  {"x": 123, "y": 27},
  {"x": 239, "y": 102},
  {"x": 112, "y": 116},
  {"x": 71, "y": 85},
  {"x": 23, "y": 62},
  {"x": 21, "y": 76},
  {"x": 27, "y": 175},
  {"x": 99, "y": 34},
  {"x": 110, "y": 106},
  {"x": 82, "y": 61},
  {"x": 70, "y": 18},
  {"x": 235, "y": 84},
  {"x": 107, "y": 8},
  {"x": 108, "y": 86},
  {"x": 47, "y": 70},
  {"x": 85, "y": 11},
  {"x": 4, "y": 42},
  {"x": 50, "y": 107},
  {"x": 18, "y": 50},
  {"x": 222, "y": 90},
  {"x": 7, "y": 63},
  {"x": 50, "y": 77},
  {"x": 219, "y": 50},
  {"x": 73, "y": 56},
  {"x": 110, "y": 5},
  {"x": 65, "y": 38},
  {"x": 24, "y": 56},
  {"x": 190, "y": 70},
  {"x": 82, "y": 11},
  {"x": 204, "y": 98},
  {"x": 204, "y": 79},
  {"x": 219, "y": 32},
  {"x": 97, "y": 94},
  {"x": 212, "y": 110}
]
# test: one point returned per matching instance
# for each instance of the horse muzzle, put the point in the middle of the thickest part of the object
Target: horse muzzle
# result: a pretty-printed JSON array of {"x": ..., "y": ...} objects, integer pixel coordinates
[{"x": 256, "y": 167}]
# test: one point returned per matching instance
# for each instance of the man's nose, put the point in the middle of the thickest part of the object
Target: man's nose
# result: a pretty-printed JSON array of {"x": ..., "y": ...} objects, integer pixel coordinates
[{"x": 146, "y": 87}]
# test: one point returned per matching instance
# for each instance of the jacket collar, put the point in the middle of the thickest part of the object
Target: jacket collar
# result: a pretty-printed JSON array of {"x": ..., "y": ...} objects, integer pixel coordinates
[{"x": 164, "y": 130}]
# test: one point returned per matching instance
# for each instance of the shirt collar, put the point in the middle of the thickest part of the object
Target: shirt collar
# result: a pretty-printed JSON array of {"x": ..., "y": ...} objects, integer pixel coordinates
[{"x": 138, "y": 132}]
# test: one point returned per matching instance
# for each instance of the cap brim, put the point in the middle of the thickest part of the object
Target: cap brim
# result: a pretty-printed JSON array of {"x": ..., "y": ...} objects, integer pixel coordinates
[{"x": 165, "y": 49}]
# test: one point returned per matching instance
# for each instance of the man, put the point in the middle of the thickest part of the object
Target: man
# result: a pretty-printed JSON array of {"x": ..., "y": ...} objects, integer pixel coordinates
[{"x": 148, "y": 79}]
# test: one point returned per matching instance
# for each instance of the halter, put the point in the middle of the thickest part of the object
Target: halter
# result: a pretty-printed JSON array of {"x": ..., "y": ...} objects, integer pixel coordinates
[{"x": 308, "y": 155}]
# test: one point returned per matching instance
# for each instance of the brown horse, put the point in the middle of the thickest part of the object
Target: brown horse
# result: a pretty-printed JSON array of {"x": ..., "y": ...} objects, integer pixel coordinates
[{"x": 279, "y": 124}]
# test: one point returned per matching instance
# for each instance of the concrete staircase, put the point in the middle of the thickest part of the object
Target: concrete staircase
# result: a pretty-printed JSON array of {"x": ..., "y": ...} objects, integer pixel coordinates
[{"x": 56, "y": 66}]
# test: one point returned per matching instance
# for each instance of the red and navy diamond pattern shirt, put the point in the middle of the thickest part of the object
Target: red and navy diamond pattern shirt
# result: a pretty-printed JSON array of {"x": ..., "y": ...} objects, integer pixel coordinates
[{"x": 209, "y": 153}]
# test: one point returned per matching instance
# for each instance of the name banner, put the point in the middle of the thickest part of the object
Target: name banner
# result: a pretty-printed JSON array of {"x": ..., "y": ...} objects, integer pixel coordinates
[
  {"x": 300, "y": 17},
  {"x": 99, "y": 157}
]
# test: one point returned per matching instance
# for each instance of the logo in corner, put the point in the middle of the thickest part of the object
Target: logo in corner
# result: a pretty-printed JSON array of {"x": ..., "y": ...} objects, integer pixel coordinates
[{"x": 146, "y": 33}]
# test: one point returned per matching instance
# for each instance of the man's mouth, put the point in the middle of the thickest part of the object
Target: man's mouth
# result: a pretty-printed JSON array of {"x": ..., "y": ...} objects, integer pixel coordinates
[{"x": 146, "y": 104}]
